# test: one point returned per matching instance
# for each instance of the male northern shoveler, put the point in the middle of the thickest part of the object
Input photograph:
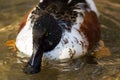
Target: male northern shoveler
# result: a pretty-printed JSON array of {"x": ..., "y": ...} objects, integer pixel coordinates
[{"x": 58, "y": 30}]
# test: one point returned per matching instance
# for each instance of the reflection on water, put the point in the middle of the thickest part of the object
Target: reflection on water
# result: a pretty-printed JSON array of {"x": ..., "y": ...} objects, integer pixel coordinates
[
  {"x": 11, "y": 67},
  {"x": 13, "y": 10}
]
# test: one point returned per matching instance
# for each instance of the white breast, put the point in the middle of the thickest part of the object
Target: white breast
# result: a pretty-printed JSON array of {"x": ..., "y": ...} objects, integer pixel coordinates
[
  {"x": 73, "y": 49},
  {"x": 24, "y": 40}
]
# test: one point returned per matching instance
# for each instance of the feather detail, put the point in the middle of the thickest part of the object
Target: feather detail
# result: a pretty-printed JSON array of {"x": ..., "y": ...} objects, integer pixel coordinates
[
  {"x": 24, "y": 21},
  {"x": 91, "y": 28}
]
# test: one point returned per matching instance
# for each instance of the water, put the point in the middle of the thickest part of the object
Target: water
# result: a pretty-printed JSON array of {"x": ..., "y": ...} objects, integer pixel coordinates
[{"x": 108, "y": 68}]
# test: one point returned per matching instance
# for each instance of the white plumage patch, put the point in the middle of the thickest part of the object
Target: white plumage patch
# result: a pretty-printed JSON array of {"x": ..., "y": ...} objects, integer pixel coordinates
[
  {"x": 24, "y": 40},
  {"x": 69, "y": 1},
  {"x": 41, "y": 1},
  {"x": 92, "y": 6}
]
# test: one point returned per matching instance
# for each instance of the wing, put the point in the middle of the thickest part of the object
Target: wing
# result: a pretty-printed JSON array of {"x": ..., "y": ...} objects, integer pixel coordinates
[{"x": 91, "y": 28}]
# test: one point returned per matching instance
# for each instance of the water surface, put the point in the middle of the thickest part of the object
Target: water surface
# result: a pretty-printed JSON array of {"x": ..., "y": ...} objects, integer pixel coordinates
[{"x": 11, "y": 14}]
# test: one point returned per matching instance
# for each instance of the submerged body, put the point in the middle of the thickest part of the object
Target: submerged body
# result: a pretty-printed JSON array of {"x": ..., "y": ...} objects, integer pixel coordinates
[{"x": 79, "y": 30}]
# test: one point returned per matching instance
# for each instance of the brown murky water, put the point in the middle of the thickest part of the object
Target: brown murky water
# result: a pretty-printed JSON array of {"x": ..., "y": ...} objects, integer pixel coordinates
[{"x": 11, "y": 14}]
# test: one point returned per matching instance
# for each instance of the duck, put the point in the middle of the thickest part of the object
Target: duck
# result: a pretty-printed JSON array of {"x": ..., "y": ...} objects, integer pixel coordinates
[{"x": 58, "y": 30}]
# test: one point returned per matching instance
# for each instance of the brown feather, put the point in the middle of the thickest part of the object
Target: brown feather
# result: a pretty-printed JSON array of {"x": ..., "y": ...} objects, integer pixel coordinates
[
  {"x": 91, "y": 28},
  {"x": 24, "y": 21}
]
